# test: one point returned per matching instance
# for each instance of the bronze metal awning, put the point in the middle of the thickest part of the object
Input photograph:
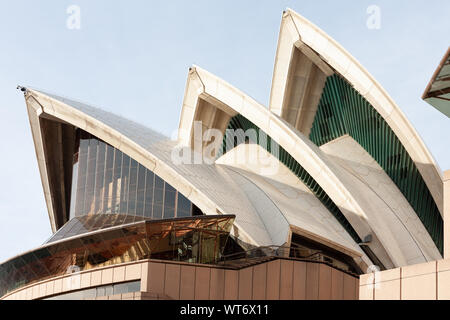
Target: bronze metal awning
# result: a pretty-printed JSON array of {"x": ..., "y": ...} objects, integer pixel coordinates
[{"x": 198, "y": 239}]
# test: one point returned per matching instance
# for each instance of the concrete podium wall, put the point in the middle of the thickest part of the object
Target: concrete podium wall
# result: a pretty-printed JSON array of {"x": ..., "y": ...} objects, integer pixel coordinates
[
  {"x": 426, "y": 281},
  {"x": 284, "y": 279}
]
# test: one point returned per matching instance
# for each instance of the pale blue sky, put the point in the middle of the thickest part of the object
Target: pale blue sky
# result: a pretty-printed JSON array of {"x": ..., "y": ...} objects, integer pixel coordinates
[{"x": 132, "y": 58}]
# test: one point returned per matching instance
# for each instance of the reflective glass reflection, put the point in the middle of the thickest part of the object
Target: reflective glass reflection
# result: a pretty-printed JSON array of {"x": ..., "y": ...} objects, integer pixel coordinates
[{"x": 107, "y": 181}]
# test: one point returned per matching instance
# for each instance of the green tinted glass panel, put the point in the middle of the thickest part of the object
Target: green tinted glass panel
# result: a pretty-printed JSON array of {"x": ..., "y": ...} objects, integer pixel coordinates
[
  {"x": 342, "y": 110},
  {"x": 261, "y": 138}
]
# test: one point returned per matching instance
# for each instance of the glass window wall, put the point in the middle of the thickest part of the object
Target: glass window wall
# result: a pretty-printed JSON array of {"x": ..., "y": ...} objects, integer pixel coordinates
[
  {"x": 107, "y": 181},
  {"x": 103, "y": 291}
]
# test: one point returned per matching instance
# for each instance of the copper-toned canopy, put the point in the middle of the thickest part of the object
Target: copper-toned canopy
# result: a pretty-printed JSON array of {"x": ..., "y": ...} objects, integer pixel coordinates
[{"x": 199, "y": 239}]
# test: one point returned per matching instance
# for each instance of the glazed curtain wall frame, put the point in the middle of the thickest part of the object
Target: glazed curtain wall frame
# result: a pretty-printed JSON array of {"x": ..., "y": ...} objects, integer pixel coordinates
[
  {"x": 194, "y": 240},
  {"x": 342, "y": 110},
  {"x": 107, "y": 181},
  {"x": 94, "y": 222}
]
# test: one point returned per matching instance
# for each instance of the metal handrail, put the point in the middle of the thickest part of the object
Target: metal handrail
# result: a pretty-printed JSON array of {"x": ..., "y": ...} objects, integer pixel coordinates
[
  {"x": 268, "y": 251},
  {"x": 255, "y": 255}
]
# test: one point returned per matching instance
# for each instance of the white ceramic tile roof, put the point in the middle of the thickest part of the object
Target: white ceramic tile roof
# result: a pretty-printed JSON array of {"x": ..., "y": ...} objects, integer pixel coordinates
[
  {"x": 214, "y": 182},
  {"x": 263, "y": 209},
  {"x": 286, "y": 198},
  {"x": 393, "y": 210}
]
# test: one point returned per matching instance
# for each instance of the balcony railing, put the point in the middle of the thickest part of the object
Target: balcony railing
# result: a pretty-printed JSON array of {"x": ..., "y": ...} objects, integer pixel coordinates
[{"x": 267, "y": 253}]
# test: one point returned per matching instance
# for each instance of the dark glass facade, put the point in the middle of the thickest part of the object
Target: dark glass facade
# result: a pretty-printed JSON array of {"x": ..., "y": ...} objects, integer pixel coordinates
[
  {"x": 119, "y": 212},
  {"x": 102, "y": 291},
  {"x": 107, "y": 181}
]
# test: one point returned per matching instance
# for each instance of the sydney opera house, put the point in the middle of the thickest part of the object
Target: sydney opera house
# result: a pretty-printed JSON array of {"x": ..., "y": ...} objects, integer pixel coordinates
[{"x": 307, "y": 198}]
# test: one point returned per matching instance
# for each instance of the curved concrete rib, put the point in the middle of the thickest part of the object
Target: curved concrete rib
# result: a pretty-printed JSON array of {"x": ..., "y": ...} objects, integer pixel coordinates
[
  {"x": 222, "y": 96},
  {"x": 301, "y": 211},
  {"x": 298, "y": 32},
  {"x": 394, "y": 212},
  {"x": 34, "y": 110}
]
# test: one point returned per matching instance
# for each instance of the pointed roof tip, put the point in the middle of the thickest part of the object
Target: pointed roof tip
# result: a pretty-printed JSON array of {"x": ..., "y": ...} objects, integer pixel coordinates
[
  {"x": 294, "y": 13},
  {"x": 23, "y": 89},
  {"x": 197, "y": 69},
  {"x": 192, "y": 68},
  {"x": 287, "y": 11}
]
